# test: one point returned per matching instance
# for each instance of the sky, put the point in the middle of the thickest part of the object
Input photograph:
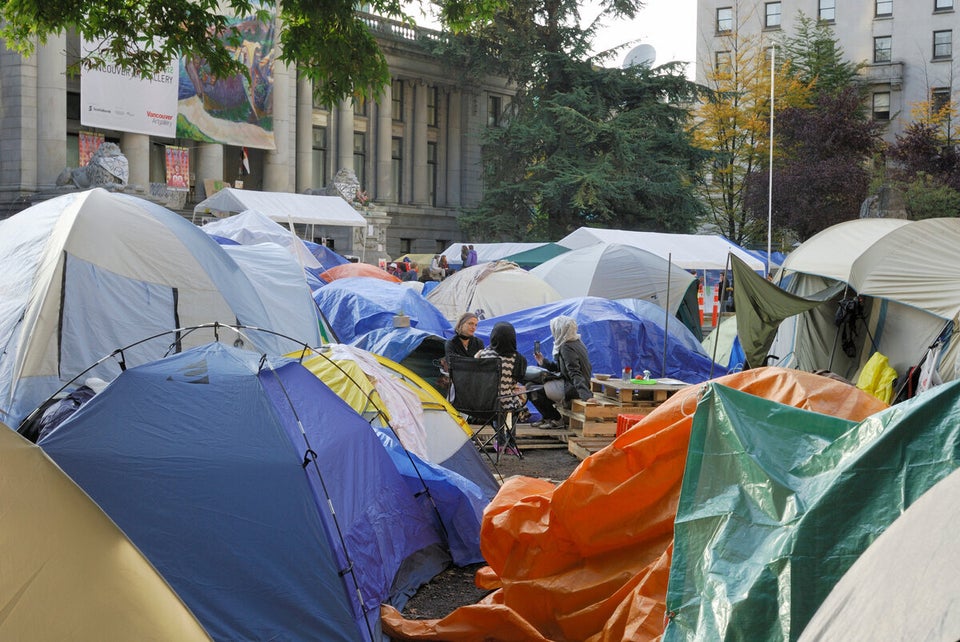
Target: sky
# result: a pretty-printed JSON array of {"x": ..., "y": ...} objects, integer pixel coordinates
[{"x": 669, "y": 26}]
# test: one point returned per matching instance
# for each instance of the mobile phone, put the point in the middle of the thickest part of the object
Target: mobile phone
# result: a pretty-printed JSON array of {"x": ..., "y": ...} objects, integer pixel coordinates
[{"x": 536, "y": 347}]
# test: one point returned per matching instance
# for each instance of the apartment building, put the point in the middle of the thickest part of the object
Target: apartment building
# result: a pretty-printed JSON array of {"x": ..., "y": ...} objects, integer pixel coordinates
[
  {"x": 906, "y": 45},
  {"x": 416, "y": 151}
]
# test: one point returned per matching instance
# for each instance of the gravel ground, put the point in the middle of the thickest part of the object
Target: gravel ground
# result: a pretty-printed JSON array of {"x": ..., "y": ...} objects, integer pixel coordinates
[{"x": 454, "y": 587}]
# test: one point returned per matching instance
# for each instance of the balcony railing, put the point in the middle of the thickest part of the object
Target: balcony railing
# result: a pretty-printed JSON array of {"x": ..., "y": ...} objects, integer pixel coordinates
[{"x": 398, "y": 30}]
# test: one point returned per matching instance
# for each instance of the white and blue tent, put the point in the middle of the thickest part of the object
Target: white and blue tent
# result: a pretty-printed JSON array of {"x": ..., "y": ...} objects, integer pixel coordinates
[
  {"x": 267, "y": 503},
  {"x": 88, "y": 273}
]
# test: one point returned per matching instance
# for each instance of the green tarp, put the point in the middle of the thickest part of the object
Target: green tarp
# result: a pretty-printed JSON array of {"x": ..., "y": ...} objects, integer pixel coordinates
[
  {"x": 529, "y": 259},
  {"x": 761, "y": 306},
  {"x": 777, "y": 503}
]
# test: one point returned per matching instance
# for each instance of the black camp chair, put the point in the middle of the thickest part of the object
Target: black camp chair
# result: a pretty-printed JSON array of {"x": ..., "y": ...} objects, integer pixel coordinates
[{"x": 476, "y": 386}]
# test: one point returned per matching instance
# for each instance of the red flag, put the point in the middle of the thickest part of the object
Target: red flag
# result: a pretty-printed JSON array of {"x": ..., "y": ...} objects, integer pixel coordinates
[{"x": 245, "y": 161}]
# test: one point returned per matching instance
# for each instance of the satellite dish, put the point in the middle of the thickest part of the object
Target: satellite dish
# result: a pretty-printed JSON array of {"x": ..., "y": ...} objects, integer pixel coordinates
[{"x": 640, "y": 55}]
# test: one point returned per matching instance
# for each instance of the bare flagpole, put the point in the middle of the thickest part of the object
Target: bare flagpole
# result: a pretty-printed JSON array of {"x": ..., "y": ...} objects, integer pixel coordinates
[{"x": 773, "y": 58}]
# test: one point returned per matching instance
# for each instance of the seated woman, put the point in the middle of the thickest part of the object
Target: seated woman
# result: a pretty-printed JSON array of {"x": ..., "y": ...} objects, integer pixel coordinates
[
  {"x": 503, "y": 344},
  {"x": 572, "y": 364},
  {"x": 464, "y": 343}
]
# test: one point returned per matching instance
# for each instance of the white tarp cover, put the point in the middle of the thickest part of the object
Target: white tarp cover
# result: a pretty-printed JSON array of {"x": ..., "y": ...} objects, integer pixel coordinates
[
  {"x": 252, "y": 227},
  {"x": 487, "y": 252},
  {"x": 916, "y": 264},
  {"x": 87, "y": 273},
  {"x": 282, "y": 207},
  {"x": 689, "y": 251},
  {"x": 616, "y": 271},
  {"x": 831, "y": 252},
  {"x": 490, "y": 290},
  {"x": 68, "y": 572},
  {"x": 905, "y": 585}
]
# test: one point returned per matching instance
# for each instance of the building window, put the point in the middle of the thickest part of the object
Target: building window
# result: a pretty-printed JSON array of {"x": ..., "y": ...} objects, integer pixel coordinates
[
  {"x": 432, "y": 173},
  {"x": 827, "y": 11},
  {"x": 359, "y": 106},
  {"x": 723, "y": 64},
  {"x": 881, "y": 105},
  {"x": 942, "y": 5},
  {"x": 432, "y": 118},
  {"x": 441, "y": 245},
  {"x": 883, "y": 49},
  {"x": 318, "y": 177},
  {"x": 396, "y": 98},
  {"x": 494, "y": 110},
  {"x": 772, "y": 19},
  {"x": 406, "y": 246},
  {"x": 884, "y": 8},
  {"x": 360, "y": 157},
  {"x": 396, "y": 167},
  {"x": 939, "y": 99},
  {"x": 942, "y": 44},
  {"x": 724, "y": 19}
]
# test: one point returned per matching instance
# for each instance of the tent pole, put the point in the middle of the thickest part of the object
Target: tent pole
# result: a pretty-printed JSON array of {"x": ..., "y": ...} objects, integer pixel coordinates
[
  {"x": 836, "y": 335},
  {"x": 666, "y": 320}
]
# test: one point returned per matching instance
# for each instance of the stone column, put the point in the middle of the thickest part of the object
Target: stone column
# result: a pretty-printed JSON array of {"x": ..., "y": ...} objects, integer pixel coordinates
[
  {"x": 305, "y": 135},
  {"x": 453, "y": 148},
  {"x": 277, "y": 176},
  {"x": 209, "y": 164},
  {"x": 344, "y": 136},
  {"x": 136, "y": 147},
  {"x": 420, "y": 191},
  {"x": 52, "y": 110},
  {"x": 384, "y": 193}
]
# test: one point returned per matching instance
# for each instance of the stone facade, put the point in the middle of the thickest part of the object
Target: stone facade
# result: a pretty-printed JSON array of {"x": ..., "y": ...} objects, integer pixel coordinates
[{"x": 416, "y": 150}]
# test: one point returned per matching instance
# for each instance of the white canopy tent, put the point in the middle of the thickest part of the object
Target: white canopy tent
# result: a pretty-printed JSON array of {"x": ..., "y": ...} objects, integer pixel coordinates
[
  {"x": 689, "y": 251},
  {"x": 282, "y": 207}
]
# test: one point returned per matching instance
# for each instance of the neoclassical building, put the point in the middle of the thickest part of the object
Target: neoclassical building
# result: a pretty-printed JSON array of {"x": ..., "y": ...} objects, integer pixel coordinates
[{"x": 416, "y": 151}]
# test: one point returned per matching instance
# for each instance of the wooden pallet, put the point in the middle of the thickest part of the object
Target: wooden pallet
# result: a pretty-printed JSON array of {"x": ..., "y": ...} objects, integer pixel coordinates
[
  {"x": 600, "y": 419},
  {"x": 623, "y": 392},
  {"x": 583, "y": 447},
  {"x": 530, "y": 438}
]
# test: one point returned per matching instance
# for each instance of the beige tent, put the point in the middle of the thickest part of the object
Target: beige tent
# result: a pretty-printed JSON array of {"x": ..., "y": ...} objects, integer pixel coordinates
[{"x": 68, "y": 572}]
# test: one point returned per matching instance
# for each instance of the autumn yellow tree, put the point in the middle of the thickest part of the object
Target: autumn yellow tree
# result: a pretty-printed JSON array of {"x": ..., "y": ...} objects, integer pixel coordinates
[{"x": 732, "y": 122}]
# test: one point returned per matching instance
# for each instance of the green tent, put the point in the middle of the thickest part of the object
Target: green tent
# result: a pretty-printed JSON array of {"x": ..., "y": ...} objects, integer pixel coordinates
[
  {"x": 777, "y": 503},
  {"x": 532, "y": 258}
]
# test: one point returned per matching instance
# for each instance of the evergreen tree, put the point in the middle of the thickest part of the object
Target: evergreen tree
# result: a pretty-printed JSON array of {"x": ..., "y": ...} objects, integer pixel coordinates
[{"x": 580, "y": 144}]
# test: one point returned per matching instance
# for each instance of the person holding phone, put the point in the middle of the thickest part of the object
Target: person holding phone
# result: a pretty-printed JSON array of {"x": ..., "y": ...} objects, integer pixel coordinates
[{"x": 571, "y": 363}]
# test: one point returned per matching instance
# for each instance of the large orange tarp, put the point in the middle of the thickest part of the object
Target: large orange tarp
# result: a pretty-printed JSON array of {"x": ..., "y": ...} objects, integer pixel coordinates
[
  {"x": 345, "y": 270},
  {"x": 589, "y": 559}
]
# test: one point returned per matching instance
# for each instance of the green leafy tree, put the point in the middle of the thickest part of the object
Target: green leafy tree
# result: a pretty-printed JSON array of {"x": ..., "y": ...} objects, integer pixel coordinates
[
  {"x": 732, "y": 123},
  {"x": 580, "y": 144},
  {"x": 329, "y": 41}
]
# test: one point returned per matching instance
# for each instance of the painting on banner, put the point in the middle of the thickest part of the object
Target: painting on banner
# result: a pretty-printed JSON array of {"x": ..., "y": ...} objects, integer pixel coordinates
[
  {"x": 237, "y": 110},
  {"x": 178, "y": 167},
  {"x": 116, "y": 98}
]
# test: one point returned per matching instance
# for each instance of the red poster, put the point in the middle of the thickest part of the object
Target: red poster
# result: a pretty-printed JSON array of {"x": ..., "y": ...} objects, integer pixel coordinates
[
  {"x": 178, "y": 167},
  {"x": 89, "y": 142}
]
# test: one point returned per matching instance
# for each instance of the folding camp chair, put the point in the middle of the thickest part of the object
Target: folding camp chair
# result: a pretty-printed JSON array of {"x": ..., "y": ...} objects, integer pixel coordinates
[{"x": 476, "y": 385}]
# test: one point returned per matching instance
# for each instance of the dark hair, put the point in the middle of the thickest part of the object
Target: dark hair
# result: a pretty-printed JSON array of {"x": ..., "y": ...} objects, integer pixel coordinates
[{"x": 503, "y": 339}]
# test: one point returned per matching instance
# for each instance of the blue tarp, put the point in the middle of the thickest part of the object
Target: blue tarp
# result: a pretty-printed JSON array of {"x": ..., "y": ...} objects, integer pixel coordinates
[
  {"x": 615, "y": 336},
  {"x": 395, "y": 344},
  {"x": 219, "y": 467},
  {"x": 357, "y": 305},
  {"x": 327, "y": 257}
]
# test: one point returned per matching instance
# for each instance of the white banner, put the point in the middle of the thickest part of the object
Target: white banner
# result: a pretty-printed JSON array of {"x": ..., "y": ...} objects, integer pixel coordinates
[{"x": 115, "y": 98}]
